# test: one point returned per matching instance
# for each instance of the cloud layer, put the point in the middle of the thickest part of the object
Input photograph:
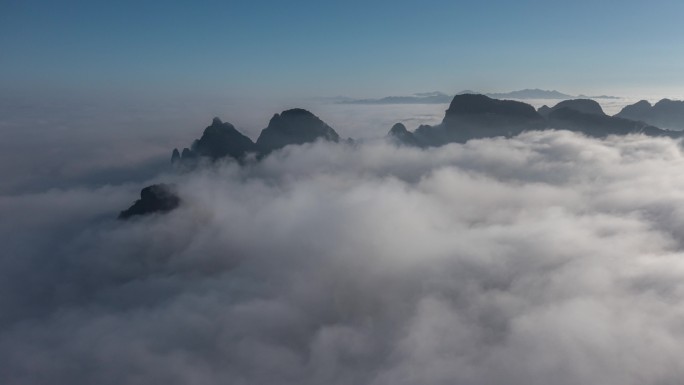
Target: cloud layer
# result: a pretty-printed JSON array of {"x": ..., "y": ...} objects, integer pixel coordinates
[
  {"x": 546, "y": 258},
  {"x": 62, "y": 142}
]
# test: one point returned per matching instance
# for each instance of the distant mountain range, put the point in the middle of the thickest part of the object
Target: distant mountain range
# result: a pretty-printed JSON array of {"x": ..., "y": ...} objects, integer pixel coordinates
[
  {"x": 222, "y": 140},
  {"x": 666, "y": 113},
  {"x": 421, "y": 98},
  {"x": 437, "y": 97},
  {"x": 470, "y": 116},
  {"x": 474, "y": 116}
]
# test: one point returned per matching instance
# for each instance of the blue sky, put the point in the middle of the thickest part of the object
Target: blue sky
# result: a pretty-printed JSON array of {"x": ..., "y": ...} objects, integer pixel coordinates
[{"x": 355, "y": 48}]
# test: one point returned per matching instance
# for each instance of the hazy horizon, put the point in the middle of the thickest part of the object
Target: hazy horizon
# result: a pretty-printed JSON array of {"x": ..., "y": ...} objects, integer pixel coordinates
[{"x": 133, "y": 136}]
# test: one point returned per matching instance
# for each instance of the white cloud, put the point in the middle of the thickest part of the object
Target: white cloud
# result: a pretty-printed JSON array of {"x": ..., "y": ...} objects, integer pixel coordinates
[{"x": 546, "y": 258}]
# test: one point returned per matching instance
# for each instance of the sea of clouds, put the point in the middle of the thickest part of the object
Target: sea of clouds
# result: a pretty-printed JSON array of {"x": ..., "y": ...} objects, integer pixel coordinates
[
  {"x": 60, "y": 143},
  {"x": 548, "y": 258}
]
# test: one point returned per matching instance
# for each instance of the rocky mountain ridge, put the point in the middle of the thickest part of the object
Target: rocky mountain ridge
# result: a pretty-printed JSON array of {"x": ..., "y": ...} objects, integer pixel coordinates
[{"x": 469, "y": 116}]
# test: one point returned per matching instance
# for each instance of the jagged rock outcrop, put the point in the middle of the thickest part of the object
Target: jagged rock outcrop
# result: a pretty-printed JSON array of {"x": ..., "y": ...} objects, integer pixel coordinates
[
  {"x": 401, "y": 135},
  {"x": 188, "y": 155},
  {"x": 596, "y": 125},
  {"x": 472, "y": 105},
  {"x": 157, "y": 198},
  {"x": 472, "y": 116},
  {"x": 544, "y": 110},
  {"x": 587, "y": 116},
  {"x": 221, "y": 140},
  {"x": 586, "y": 106},
  {"x": 295, "y": 126},
  {"x": 469, "y": 116},
  {"x": 477, "y": 116},
  {"x": 666, "y": 113},
  {"x": 640, "y": 110}
]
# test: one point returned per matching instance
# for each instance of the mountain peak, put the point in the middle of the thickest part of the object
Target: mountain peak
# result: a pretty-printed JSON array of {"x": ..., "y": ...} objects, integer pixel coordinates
[
  {"x": 665, "y": 113},
  {"x": 586, "y": 106},
  {"x": 294, "y": 126},
  {"x": 401, "y": 135},
  {"x": 468, "y": 104},
  {"x": 222, "y": 139},
  {"x": 297, "y": 112},
  {"x": 398, "y": 129},
  {"x": 157, "y": 198}
]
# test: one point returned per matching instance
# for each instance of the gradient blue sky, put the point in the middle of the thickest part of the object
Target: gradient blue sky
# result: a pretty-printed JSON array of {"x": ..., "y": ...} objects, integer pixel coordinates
[{"x": 354, "y": 48}]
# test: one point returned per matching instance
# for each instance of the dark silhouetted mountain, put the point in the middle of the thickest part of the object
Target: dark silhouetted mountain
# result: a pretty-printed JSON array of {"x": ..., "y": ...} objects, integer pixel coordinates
[
  {"x": 219, "y": 140},
  {"x": 596, "y": 125},
  {"x": 586, "y": 106},
  {"x": 188, "y": 155},
  {"x": 399, "y": 133},
  {"x": 222, "y": 140},
  {"x": 470, "y": 105},
  {"x": 478, "y": 116},
  {"x": 666, "y": 113},
  {"x": 473, "y": 116},
  {"x": 295, "y": 126},
  {"x": 175, "y": 156},
  {"x": 187, "y": 160},
  {"x": 640, "y": 110},
  {"x": 157, "y": 198},
  {"x": 544, "y": 110}
]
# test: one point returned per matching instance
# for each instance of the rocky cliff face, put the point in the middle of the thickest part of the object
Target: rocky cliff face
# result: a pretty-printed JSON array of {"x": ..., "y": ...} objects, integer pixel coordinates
[
  {"x": 296, "y": 126},
  {"x": 601, "y": 125},
  {"x": 221, "y": 140},
  {"x": 175, "y": 156},
  {"x": 401, "y": 135},
  {"x": 640, "y": 110},
  {"x": 477, "y": 116},
  {"x": 666, "y": 113},
  {"x": 472, "y": 116},
  {"x": 157, "y": 198},
  {"x": 586, "y": 106},
  {"x": 544, "y": 110}
]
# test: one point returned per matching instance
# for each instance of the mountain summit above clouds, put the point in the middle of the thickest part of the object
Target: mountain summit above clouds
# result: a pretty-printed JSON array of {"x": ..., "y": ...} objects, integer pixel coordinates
[
  {"x": 666, "y": 113},
  {"x": 586, "y": 106},
  {"x": 473, "y": 116},
  {"x": 221, "y": 140},
  {"x": 295, "y": 126},
  {"x": 469, "y": 116},
  {"x": 157, "y": 198},
  {"x": 478, "y": 116}
]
